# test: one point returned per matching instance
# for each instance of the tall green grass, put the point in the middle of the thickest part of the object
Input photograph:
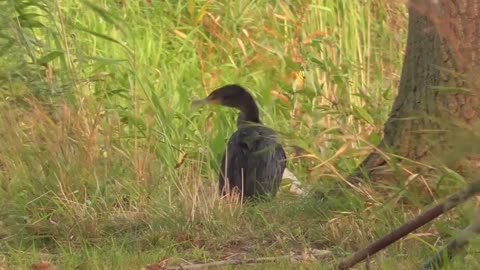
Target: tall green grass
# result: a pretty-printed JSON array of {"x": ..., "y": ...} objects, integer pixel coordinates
[{"x": 104, "y": 164}]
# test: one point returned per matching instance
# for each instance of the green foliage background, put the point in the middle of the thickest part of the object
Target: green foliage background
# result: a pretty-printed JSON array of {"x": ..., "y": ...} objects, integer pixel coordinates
[{"x": 104, "y": 164}]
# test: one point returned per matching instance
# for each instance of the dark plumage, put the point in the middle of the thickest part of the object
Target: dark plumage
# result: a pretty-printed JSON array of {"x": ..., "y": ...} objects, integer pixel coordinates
[{"x": 253, "y": 160}]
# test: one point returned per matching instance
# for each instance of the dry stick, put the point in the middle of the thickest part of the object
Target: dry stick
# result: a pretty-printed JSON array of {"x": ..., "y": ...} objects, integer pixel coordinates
[
  {"x": 318, "y": 254},
  {"x": 412, "y": 225}
]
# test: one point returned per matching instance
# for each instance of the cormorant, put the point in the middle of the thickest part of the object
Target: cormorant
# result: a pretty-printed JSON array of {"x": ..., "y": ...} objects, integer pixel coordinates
[{"x": 254, "y": 161}]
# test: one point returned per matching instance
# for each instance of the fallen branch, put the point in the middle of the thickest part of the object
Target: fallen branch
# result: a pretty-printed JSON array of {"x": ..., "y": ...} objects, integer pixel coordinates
[
  {"x": 412, "y": 225},
  {"x": 313, "y": 255}
]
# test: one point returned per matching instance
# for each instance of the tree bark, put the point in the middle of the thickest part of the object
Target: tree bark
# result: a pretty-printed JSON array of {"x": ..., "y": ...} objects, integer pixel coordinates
[{"x": 437, "y": 106}]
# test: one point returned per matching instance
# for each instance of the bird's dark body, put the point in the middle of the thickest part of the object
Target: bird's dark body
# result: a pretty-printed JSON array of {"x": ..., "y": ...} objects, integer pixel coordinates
[{"x": 253, "y": 162}]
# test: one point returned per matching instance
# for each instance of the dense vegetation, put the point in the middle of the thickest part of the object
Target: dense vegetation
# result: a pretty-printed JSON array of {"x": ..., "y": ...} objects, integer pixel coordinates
[{"x": 104, "y": 164}]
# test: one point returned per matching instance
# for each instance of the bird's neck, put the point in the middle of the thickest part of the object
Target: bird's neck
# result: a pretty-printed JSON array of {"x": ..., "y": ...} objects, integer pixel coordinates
[{"x": 248, "y": 113}]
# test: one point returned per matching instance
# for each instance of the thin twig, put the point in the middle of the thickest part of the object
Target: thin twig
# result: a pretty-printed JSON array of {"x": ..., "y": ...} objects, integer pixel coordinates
[{"x": 412, "y": 225}]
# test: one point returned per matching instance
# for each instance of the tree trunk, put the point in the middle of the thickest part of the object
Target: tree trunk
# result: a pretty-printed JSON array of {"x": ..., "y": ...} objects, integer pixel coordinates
[{"x": 437, "y": 106}]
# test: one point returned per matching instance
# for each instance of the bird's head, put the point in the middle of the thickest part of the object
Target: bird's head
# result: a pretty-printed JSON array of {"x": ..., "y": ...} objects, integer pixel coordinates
[
  {"x": 231, "y": 95},
  {"x": 234, "y": 96}
]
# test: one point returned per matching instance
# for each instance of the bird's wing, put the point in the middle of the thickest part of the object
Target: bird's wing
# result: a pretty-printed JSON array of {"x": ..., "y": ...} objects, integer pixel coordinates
[
  {"x": 253, "y": 160},
  {"x": 235, "y": 166},
  {"x": 270, "y": 160}
]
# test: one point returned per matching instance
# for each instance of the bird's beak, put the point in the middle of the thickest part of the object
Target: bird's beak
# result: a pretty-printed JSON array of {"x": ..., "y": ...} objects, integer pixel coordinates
[{"x": 205, "y": 101}]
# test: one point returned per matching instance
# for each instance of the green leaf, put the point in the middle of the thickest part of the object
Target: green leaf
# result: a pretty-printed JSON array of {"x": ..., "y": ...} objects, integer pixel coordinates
[
  {"x": 29, "y": 16},
  {"x": 454, "y": 174},
  {"x": 374, "y": 138},
  {"x": 49, "y": 57},
  {"x": 104, "y": 60},
  {"x": 102, "y": 36},
  {"x": 123, "y": 93},
  {"x": 31, "y": 23},
  {"x": 107, "y": 16},
  {"x": 363, "y": 114}
]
